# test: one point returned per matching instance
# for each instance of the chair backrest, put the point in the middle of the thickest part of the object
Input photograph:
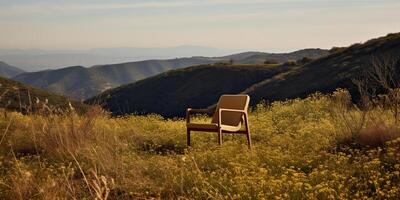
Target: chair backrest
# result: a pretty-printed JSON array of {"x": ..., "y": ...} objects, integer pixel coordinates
[{"x": 237, "y": 102}]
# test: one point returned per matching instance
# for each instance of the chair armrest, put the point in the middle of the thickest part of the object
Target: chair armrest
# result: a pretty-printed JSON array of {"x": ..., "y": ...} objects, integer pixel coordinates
[
  {"x": 189, "y": 111},
  {"x": 221, "y": 110},
  {"x": 231, "y": 110},
  {"x": 192, "y": 110}
]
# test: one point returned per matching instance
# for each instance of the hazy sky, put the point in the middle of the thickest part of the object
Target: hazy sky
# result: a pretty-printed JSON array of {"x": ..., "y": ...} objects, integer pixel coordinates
[{"x": 268, "y": 25}]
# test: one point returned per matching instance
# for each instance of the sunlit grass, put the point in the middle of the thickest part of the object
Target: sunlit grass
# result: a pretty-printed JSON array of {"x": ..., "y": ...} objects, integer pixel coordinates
[{"x": 303, "y": 149}]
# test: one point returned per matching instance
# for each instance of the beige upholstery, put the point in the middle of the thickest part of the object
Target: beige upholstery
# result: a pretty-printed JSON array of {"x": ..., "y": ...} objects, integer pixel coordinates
[
  {"x": 212, "y": 127},
  {"x": 202, "y": 126},
  {"x": 229, "y": 117}
]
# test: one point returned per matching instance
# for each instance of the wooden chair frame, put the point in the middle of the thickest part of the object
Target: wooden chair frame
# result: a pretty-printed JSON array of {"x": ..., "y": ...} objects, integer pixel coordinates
[{"x": 219, "y": 130}]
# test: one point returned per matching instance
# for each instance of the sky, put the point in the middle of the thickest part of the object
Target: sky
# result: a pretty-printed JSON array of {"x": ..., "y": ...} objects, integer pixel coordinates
[{"x": 264, "y": 25}]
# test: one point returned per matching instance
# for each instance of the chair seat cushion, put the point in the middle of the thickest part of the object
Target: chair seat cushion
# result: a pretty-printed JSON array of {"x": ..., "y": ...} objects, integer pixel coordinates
[{"x": 211, "y": 127}]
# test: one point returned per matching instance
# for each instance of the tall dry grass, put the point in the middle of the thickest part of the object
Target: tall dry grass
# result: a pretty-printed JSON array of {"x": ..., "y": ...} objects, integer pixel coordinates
[{"x": 298, "y": 153}]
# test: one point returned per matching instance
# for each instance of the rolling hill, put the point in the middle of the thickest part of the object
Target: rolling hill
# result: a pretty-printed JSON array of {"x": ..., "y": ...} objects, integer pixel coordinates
[
  {"x": 80, "y": 83},
  {"x": 170, "y": 93},
  {"x": 9, "y": 71},
  {"x": 17, "y": 96},
  {"x": 328, "y": 73},
  {"x": 261, "y": 57}
]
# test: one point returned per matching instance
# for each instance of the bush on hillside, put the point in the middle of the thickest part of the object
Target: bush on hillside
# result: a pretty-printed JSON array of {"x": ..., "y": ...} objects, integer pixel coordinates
[
  {"x": 304, "y": 60},
  {"x": 290, "y": 63},
  {"x": 271, "y": 62},
  {"x": 377, "y": 134}
]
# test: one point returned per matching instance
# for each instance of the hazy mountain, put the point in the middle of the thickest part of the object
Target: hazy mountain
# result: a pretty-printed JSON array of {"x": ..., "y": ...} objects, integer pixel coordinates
[
  {"x": 170, "y": 93},
  {"x": 9, "y": 71},
  {"x": 20, "y": 97},
  {"x": 81, "y": 83},
  {"x": 36, "y": 60}
]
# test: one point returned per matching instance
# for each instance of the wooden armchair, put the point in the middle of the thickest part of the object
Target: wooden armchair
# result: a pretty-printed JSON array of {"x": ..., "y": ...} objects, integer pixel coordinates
[{"x": 229, "y": 116}]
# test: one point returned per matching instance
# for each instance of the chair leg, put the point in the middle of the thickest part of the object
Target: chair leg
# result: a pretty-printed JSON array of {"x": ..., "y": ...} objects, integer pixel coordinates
[
  {"x": 220, "y": 136},
  {"x": 188, "y": 137},
  {"x": 248, "y": 131},
  {"x": 248, "y": 139}
]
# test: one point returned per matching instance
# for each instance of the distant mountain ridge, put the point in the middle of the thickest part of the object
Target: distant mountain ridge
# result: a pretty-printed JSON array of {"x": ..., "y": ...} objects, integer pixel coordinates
[
  {"x": 35, "y": 59},
  {"x": 170, "y": 93},
  {"x": 261, "y": 57},
  {"x": 81, "y": 83},
  {"x": 9, "y": 71}
]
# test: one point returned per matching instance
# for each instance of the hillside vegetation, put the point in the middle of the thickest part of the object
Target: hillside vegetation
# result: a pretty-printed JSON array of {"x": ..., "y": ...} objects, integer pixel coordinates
[
  {"x": 322, "y": 147},
  {"x": 23, "y": 98},
  {"x": 170, "y": 93},
  {"x": 81, "y": 83},
  {"x": 8, "y": 71}
]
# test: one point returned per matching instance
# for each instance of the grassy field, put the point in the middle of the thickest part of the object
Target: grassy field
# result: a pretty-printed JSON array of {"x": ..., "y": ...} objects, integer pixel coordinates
[{"x": 322, "y": 147}]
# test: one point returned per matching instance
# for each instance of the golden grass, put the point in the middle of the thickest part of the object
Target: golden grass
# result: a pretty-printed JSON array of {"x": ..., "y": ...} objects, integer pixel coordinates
[{"x": 298, "y": 154}]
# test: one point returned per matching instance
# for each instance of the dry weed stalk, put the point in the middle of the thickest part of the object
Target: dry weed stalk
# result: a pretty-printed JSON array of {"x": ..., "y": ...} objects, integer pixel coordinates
[
  {"x": 346, "y": 114},
  {"x": 101, "y": 185},
  {"x": 6, "y": 131},
  {"x": 380, "y": 84}
]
